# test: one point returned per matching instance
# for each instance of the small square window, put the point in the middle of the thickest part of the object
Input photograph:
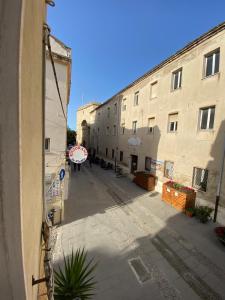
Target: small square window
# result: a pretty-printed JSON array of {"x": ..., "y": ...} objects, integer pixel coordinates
[
  {"x": 148, "y": 162},
  {"x": 176, "y": 79},
  {"x": 122, "y": 128},
  {"x": 47, "y": 144},
  {"x": 206, "y": 118},
  {"x": 136, "y": 98},
  {"x": 134, "y": 127},
  {"x": 151, "y": 125},
  {"x": 121, "y": 155},
  {"x": 168, "y": 169},
  {"x": 200, "y": 178},
  {"x": 212, "y": 61},
  {"x": 173, "y": 122}
]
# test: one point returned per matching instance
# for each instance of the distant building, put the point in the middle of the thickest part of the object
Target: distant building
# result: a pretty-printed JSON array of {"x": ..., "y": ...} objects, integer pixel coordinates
[
  {"x": 56, "y": 121},
  {"x": 170, "y": 121}
]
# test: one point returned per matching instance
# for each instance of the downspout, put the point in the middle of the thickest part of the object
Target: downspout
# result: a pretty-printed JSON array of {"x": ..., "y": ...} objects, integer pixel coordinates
[{"x": 218, "y": 191}]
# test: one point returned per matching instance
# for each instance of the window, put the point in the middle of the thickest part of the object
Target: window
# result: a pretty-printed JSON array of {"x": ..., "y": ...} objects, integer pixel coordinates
[
  {"x": 122, "y": 128},
  {"x": 98, "y": 131},
  {"x": 200, "y": 177},
  {"x": 124, "y": 107},
  {"x": 106, "y": 152},
  {"x": 108, "y": 112},
  {"x": 148, "y": 161},
  {"x": 207, "y": 116},
  {"x": 98, "y": 113},
  {"x": 173, "y": 122},
  {"x": 47, "y": 144},
  {"x": 176, "y": 79},
  {"x": 212, "y": 61},
  {"x": 134, "y": 127},
  {"x": 121, "y": 155},
  {"x": 114, "y": 129},
  {"x": 107, "y": 130},
  {"x": 154, "y": 89},
  {"x": 151, "y": 124},
  {"x": 113, "y": 152},
  {"x": 168, "y": 169},
  {"x": 115, "y": 108},
  {"x": 136, "y": 98}
]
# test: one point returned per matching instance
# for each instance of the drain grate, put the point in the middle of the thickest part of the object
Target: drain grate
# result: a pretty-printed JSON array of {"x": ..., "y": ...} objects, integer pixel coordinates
[{"x": 139, "y": 269}]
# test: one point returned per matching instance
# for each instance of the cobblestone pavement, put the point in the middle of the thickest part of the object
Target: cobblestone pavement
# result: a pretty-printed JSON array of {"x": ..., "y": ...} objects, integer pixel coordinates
[{"x": 144, "y": 248}]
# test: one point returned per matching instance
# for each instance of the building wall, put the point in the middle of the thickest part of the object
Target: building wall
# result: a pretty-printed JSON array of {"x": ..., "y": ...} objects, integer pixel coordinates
[
  {"x": 21, "y": 143},
  {"x": 188, "y": 147},
  {"x": 56, "y": 124}
]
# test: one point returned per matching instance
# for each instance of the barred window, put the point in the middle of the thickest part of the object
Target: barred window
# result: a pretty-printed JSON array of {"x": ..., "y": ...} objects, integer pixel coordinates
[
  {"x": 200, "y": 178},
  {"x": 168, "y": 169}
]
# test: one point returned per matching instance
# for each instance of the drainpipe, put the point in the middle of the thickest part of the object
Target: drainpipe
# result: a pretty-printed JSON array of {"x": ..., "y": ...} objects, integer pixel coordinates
[{"x": 219, "y": 184}]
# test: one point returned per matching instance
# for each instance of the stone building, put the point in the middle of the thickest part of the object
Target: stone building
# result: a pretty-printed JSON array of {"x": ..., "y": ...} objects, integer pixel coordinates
[
  {"x": 56, "y": 123},
  {"x": 171, "y": 120}
]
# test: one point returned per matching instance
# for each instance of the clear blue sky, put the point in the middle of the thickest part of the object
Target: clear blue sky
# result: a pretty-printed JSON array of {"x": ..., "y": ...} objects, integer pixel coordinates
[{"x": 115, "y": 41}]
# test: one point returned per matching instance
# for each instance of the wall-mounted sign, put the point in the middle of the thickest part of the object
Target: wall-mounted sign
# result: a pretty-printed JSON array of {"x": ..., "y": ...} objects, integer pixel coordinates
[
  {"x": 134, "y": 141},
  {"x": 78, "y": 154},
  {"x": 61, "y": 174}
]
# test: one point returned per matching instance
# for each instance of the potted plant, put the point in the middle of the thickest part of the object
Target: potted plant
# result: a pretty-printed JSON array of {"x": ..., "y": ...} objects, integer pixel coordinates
[
  {"x": 220, "y": 232},
  {"x": 75, "y": 280},
  {"x": 190, "y": 211},
  {"x": 203, "y": 213},
  {"x": 179, "y": 196}
]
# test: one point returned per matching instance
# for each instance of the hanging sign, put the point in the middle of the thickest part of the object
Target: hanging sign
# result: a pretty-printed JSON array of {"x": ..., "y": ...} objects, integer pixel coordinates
[{"x": 78, "y": 154}]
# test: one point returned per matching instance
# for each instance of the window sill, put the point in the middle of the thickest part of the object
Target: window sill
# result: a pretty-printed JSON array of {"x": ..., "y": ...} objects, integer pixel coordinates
[
  {"x": 173, "y": 132},
  {"x": 211, "y": 76},
  {"x": 178, "y": 89},
  {"x": 153, "y": 98}
]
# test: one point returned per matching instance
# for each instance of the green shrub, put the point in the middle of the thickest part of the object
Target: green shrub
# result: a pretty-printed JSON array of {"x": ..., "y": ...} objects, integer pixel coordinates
[
  {"x": 76, "y": 280},
  {"x": 203, "y": 213}
]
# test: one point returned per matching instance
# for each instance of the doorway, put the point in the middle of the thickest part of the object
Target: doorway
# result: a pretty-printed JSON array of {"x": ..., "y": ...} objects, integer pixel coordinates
[{"x": 134, "y": 163}]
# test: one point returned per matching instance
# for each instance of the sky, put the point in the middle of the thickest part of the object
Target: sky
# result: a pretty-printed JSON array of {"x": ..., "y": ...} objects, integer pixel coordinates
[{"x": 116, "y": 41}]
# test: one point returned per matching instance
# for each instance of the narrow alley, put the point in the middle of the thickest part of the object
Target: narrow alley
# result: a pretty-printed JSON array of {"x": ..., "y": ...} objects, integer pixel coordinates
[{"x": 144, "y": 248}]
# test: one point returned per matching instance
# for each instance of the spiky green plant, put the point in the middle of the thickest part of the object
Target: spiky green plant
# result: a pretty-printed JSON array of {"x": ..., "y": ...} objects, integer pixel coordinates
[{"x": 76, "y": 280}]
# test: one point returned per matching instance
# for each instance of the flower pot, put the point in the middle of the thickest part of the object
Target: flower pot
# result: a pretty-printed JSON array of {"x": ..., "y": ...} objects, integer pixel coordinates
[{"x": 181, "y": 199}]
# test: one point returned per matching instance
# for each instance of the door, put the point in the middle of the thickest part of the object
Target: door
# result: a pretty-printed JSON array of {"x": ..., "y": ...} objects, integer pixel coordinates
[{"x": 134, "y": 163}]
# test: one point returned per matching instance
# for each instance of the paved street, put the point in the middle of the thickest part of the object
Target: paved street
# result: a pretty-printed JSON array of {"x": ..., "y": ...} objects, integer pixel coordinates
[{"x": 145, "y": 249}]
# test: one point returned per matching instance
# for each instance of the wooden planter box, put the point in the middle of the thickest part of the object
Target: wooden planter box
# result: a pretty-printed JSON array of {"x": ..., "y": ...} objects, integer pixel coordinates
[
  {"x": 145, "y": 180},
  {"x": 179, "y": 199}
]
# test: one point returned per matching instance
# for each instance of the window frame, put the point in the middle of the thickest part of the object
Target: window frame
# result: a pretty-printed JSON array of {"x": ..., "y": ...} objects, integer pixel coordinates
[
  {"x": 169, "y": 123},
  {"x": 179, "y": 82},
  {"x": 151, "y": 85},
  {"x": 123, "y": 128},
  {"x": 136, "y": 98},
  {"x": 148, "y": 157},
  {"x": 196, "y": 186},
  {"x": 134, "y": 130},
  {"x": 153, "y": 127},
  {"x": 124, "y": 106},
  {"x": 201, "y": 109},
  {"x": 206, "y": 56}
]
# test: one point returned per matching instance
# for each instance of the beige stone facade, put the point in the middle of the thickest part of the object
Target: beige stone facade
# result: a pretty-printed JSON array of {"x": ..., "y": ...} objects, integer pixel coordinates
[
  {"x": 170, "y": 121},
  {"x": 21, "y": 146}
]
